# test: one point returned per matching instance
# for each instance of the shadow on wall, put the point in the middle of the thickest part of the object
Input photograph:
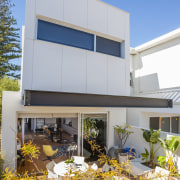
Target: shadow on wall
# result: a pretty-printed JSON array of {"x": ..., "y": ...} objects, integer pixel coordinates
[
  {"x": 138, "y": 58},
  {"x": 147, "y": 83}
]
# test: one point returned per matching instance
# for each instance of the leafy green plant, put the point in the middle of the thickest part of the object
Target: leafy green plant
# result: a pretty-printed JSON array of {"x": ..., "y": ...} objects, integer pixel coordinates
[
  {"x": 152, "y": 137},
  {"x": 90, "y": 127},
  {"x": 145, "y": 155},
  {"x": 69, "y": 161},
  {"x": 123, "y": 133},
  {"x": 162, "y": 161},
  {"x": 170, "y": 145}
]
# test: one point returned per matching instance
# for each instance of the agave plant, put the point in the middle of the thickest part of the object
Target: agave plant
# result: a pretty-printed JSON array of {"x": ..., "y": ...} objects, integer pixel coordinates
[
  {"x": 170, "y": 145},
  {"x": 152, "y": 137}
]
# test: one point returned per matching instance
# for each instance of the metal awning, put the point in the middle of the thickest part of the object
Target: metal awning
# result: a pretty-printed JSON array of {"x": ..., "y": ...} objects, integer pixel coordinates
[{"x": 46, "y": 98}]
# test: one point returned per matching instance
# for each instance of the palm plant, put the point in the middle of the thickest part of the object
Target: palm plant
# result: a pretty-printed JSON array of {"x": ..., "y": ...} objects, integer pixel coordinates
[
  {"x": 170, "y": 145},
  {"x": 152, "y": 137}
]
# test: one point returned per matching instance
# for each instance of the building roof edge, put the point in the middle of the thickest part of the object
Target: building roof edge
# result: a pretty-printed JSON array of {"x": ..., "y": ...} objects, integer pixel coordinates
[{"x": 157, "y": 41}]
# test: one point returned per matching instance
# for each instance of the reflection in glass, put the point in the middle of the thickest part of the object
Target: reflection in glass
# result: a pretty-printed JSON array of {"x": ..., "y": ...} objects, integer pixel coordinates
[{"x": 94, "y": 127}]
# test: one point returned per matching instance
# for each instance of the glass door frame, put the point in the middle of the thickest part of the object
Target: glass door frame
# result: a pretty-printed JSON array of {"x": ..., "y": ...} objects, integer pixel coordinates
[{"x": 80, "y": 130}]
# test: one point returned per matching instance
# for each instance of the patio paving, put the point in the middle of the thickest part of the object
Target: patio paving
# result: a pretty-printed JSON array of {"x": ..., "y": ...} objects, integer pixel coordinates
[{"x": 138, "y": 168}]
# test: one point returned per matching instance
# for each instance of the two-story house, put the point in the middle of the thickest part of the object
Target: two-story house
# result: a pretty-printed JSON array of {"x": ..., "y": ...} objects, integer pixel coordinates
[{"x": 75, "y": 65}]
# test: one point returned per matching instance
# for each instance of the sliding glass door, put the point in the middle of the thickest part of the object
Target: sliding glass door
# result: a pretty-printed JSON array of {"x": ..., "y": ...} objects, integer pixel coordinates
[{"x": 93, "y": 127}]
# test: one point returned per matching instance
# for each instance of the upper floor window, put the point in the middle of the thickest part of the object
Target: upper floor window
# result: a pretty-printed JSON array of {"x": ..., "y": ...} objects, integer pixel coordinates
[
  {"x": 55, "y": 33},
  {"x": 108, "y": 46},
  {"x": 63, "y": 35}
]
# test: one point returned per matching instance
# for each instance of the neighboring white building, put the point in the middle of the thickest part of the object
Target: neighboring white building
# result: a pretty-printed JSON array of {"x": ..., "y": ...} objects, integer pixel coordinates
[{"x": 155, "y": 73}]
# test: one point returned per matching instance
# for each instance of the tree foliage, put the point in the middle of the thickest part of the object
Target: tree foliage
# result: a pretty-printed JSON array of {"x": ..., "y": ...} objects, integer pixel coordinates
[
  {"x": 7, "y": 84},
  {"x": 9, "y": 41}
]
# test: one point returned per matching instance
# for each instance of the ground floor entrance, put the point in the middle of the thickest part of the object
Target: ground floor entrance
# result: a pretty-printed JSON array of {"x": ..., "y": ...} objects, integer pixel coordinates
[{"x": 65, "y": 135}]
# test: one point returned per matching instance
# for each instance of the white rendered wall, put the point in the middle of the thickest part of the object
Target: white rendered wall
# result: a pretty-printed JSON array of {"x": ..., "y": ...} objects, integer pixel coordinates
[
  {"x": 11, "y": 102},
  {"x": 13, "y": 106},
  {"x": 137, "y": 142},
  {"x": 139, "y": 117},
  {"x": 74, "y": 70},
  {"x": 53, "y": 67},
  {"x": 158, "y": 67}
]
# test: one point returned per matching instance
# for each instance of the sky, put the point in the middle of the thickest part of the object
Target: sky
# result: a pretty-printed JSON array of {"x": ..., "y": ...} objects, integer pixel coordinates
[{"x": 149, "y": 19}]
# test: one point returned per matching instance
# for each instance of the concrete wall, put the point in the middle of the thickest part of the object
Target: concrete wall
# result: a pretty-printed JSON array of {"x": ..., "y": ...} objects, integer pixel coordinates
[
  {"x": 9, "y": 127},
  {"x": 52, "y": 67},
  {"x": 158, "y": 67},
  {"x": 13, "y": 108}
]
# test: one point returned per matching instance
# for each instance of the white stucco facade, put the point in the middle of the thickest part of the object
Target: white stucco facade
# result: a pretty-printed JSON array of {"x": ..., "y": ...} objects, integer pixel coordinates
[
  {"x": 48, "y": 66},
  {"x": 54, "y": 67}
]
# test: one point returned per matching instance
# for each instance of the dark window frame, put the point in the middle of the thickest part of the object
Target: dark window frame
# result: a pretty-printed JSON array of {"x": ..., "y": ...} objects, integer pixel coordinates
[
  {"x": 108, "y": 46},
  {"x": 152, "y": 122},
  {"x": 93, "y": 39},
  {"x": 59, "y": 34},
  {"x": 172, "y": 129}
]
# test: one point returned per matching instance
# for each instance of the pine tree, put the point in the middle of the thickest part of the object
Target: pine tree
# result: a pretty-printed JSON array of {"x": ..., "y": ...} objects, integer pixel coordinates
[{"x": 9, "y": 41}]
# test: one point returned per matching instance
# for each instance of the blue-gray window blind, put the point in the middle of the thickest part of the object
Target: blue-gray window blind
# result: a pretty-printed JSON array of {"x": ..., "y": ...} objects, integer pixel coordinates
[
  {"x": 63, "y": 35},
  {"x": 108, "y": 46}
]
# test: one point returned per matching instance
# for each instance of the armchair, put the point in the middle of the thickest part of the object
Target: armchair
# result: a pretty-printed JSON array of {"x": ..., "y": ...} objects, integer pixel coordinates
[{"x": 49, "y": 152}]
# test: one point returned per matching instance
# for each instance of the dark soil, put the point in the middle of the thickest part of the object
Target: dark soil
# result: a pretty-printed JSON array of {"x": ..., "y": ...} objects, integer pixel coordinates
[{"x": 149, "y": 165}]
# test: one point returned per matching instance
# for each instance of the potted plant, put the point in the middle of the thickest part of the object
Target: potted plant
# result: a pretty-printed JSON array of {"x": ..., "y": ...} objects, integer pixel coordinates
[
  {"x": 70, "y": 163},
  {"x": 152, "y": 137},
  {"x": 123, "y": 134}
]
